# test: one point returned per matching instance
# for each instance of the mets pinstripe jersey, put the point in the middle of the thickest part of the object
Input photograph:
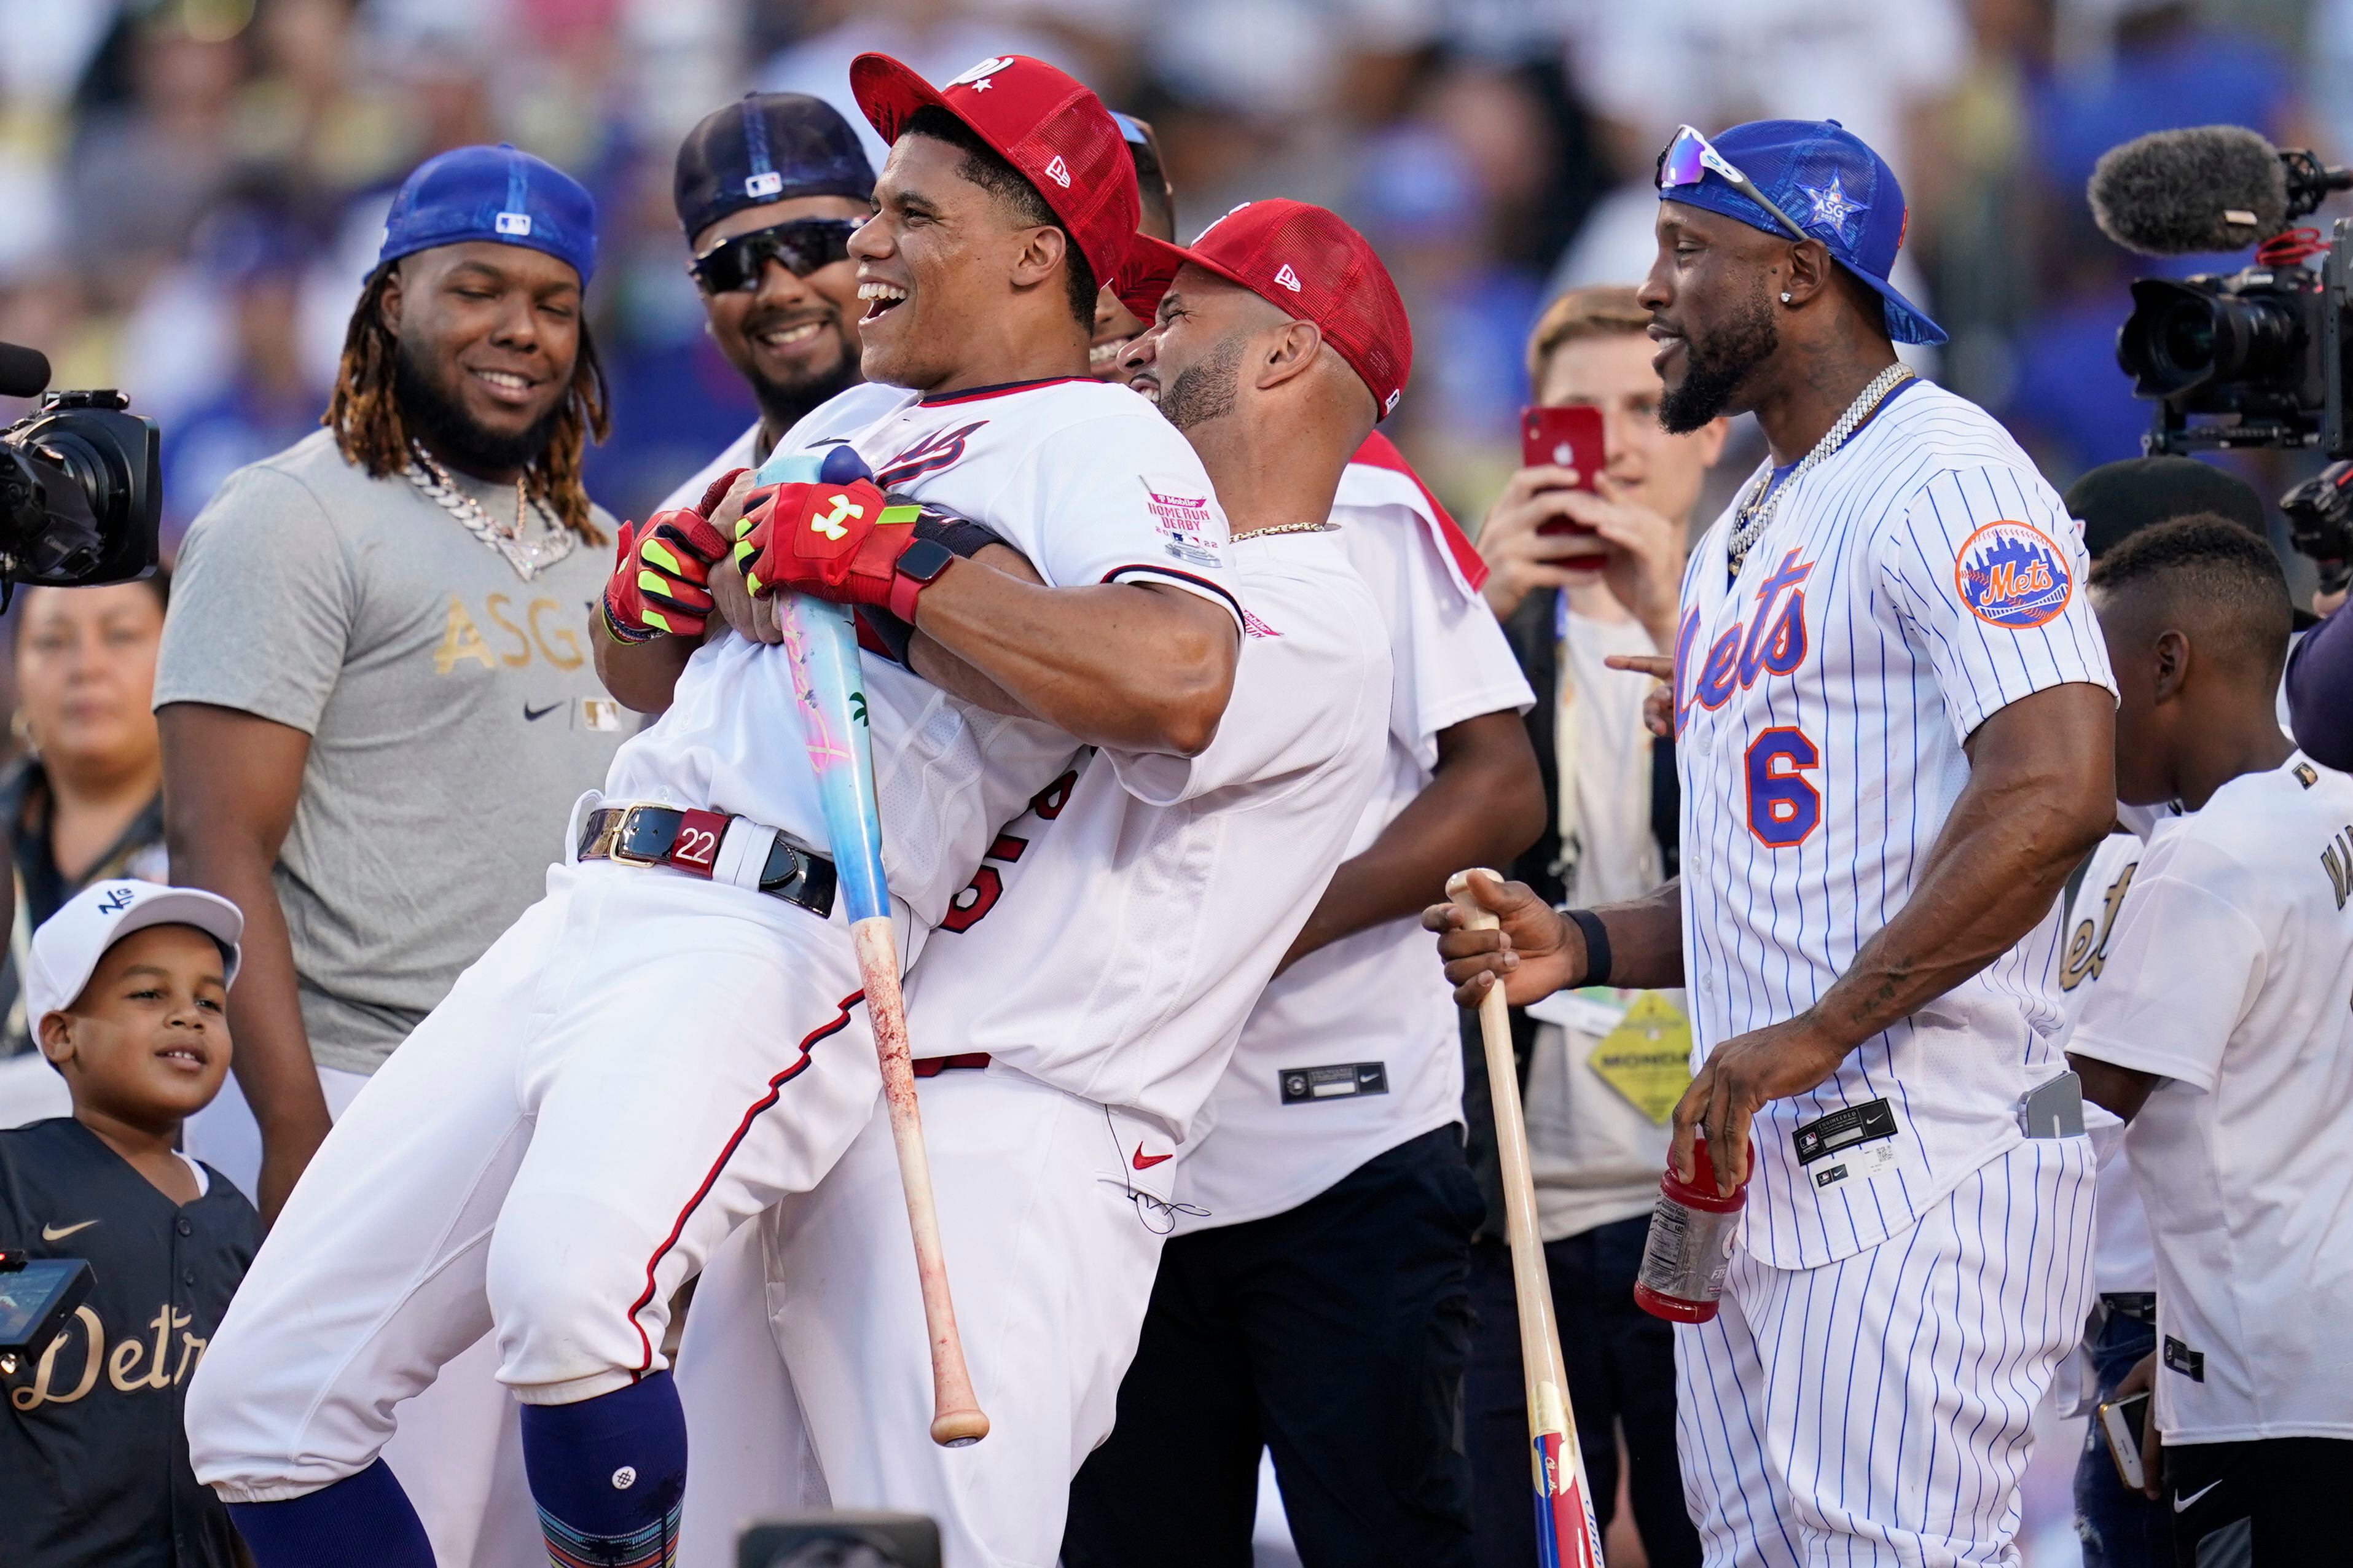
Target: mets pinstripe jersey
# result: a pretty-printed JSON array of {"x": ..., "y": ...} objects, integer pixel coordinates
[{"x": 1908, "y": 587}]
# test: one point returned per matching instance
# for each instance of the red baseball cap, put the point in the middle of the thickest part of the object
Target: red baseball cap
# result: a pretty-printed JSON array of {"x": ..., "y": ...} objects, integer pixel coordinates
[
  {"x": 1315, "y": 267},
  {"x": 1049, "y": 125}
]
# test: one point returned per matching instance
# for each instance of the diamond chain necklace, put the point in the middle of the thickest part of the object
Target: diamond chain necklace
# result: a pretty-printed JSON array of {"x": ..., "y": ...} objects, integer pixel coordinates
[
  {"x": 1758, "y": 507},
  {"x": 528, "y": 555}
]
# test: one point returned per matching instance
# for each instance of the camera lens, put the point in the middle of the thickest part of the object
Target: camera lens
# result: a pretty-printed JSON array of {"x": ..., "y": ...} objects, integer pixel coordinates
[{"x": 2184, "y": 339}]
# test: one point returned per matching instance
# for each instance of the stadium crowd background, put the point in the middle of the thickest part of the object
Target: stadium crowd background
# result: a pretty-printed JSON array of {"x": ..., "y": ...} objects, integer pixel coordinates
[{"x": 191, "y": 190}]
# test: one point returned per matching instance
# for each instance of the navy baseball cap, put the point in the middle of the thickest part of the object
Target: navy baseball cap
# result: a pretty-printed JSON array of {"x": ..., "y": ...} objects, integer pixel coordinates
[
  {"x": 1823, "y": 178},
  {"x": 495, "y": 193},
  {"x": 767, "y": 147}
]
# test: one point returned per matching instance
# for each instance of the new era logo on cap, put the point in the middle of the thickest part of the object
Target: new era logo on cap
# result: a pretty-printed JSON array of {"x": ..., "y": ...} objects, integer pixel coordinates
[
  {"x": 1059, "y": 172},
  {"x": 1288, "y": 279},
  {"x": 517, "y": 224}
]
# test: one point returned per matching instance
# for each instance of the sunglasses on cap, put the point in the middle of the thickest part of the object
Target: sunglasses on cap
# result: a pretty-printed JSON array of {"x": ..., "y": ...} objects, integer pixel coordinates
[
  {"x": 1689, "y": 159},
  {"x": 803, "y": 244}
]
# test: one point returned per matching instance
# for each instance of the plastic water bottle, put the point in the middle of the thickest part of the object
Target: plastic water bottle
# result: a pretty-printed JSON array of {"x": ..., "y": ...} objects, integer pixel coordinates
[{"x": 1692, "y": 1230}]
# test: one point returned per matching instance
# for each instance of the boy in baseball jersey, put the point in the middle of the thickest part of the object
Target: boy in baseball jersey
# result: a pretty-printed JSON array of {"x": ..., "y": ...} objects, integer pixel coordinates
[
  {"x": 671, "y": 1040},
  {"x": 2230, "y": 1051},
  {"x": 1084, "y": 994},
  {"x": 1893, "y": 715}
]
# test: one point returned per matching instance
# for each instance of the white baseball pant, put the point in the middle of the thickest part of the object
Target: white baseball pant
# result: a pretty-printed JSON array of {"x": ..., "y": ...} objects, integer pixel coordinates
[
  {"x": 459, "y": 1451},
  {"x": 1052, "y": 1238},
  {"x": 1880, "y": 1409},
  {"x": 641, "y": 1062}
]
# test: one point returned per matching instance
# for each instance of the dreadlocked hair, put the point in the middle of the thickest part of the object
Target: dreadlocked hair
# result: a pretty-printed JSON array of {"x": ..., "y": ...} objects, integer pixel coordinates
[{"x": 364, "y": 414}]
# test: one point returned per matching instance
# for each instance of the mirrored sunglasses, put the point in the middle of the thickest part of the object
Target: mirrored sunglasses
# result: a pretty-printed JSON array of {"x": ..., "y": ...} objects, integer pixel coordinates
[
  {"x": 803, "y": 244},
  {"x": 1689, "y": 159}
]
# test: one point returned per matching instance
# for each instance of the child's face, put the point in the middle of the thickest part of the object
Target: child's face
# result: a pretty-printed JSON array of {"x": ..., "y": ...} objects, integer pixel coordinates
[{"x": 147, "y": 1040}]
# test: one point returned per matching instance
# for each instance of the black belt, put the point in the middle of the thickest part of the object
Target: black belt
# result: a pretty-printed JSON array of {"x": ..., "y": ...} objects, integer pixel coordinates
[
  {"x": 2140, "y": 1306},
  {"x": 689, "y": 841}
]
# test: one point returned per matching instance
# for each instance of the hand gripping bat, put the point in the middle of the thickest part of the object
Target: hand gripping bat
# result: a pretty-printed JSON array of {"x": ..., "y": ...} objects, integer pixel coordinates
[{"x": 1566, "y": 1534}]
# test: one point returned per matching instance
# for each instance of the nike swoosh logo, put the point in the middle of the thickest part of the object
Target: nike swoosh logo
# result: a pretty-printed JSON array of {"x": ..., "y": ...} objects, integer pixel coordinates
[
  {"x": 1143, "y": 1162},
  {"x": 56, "y": 1233},
  {"x": 529, "y": 712},
  {"x": 2184, "y": 1504}
]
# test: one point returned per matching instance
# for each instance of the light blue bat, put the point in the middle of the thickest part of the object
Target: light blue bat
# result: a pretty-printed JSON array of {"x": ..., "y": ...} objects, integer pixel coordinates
[{"x": 821, "y": 642}]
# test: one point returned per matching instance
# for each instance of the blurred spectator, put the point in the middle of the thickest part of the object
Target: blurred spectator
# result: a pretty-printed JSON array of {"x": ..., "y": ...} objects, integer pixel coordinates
[
  {"x": 2235, "y": 1067},
  {"x": 128, "y": 987},
  {"x": 85, "y": 803},
  {"x": 266, "y": 402},
  {"x": 2319, "y": 690},
  {"x": 1604, "y": 1066}
]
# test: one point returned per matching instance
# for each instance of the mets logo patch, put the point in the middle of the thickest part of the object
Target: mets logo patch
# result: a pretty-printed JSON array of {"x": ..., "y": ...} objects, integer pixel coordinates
[{"x": 2011, "y": 575}]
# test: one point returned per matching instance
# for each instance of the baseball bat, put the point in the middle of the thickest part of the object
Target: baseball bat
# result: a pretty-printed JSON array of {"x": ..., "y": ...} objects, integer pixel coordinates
[
  {"x": 1566, "y": 1533},
  {"x": 821, "y": 647}
]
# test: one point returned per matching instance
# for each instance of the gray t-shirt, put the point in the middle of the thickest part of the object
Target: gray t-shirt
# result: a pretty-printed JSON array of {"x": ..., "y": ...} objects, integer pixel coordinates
[{"x": 453, "y": 710}]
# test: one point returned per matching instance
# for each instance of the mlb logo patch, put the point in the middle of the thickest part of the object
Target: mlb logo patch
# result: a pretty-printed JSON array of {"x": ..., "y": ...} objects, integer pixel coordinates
[
  {"x": 1288, "y": 279},
  {"x": 2013, "y": 576},
  {"x": 759, "y": 187},
  {"x": 516, "y": 224},
  {"x": 1059, "y": 172}
]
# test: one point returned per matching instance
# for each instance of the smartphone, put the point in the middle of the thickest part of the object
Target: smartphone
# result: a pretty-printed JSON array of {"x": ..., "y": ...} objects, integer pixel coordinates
[
  {"x": 1563, "y": 439},
  {"x": 2121, "y": 1421},
  {"x": 35, "y": 1295}
]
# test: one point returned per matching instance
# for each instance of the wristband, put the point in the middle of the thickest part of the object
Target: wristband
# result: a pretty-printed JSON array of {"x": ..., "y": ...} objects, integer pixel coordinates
[
  {"x": 1597, "y": 945},
  {"x": 918, "y": 566}
]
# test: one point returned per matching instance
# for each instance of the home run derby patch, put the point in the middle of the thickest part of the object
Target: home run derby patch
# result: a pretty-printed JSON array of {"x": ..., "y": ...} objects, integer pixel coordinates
[
  {"x": 1191, "y": 529},
  {"x": 2011, "y": 575}
]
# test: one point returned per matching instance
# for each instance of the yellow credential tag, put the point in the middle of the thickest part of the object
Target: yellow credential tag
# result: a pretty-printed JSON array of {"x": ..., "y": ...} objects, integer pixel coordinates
[{"x": 1647, "y": 1058}]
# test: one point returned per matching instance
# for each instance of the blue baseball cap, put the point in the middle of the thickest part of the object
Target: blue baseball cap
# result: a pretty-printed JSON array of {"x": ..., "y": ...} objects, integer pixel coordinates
[
  {"x": 495, "y": 193},
  {"x": 1825, "y": 179},
  {"x": 766, "y": 147}
]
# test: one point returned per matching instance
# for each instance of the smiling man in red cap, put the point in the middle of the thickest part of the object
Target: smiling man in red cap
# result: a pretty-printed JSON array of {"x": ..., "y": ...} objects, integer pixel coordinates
[{"x": 1087, "y": 990}]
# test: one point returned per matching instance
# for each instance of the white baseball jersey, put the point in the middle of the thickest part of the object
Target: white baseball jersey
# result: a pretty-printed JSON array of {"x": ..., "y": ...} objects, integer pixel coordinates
[
  {"x": 2121, "y": 1258},
  {"x": 1086, "y": 481},
  {"x": 1356, "y": 1047},
  {"x": 1909, "y": 587},
  {"x": 2239, "y": 952},
  {"x": 1122, "y": 928}
]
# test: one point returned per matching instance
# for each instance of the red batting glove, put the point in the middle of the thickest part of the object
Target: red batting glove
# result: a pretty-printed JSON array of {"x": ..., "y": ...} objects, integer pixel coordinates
[
  {"x": 840, "y": 542},
  {"x": 661, "y": 576}
]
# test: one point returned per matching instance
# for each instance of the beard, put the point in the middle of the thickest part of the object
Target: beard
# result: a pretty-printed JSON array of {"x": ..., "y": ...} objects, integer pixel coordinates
[
  {"x": 782, "y": 403},
  {"x": 1715, "y": 367},
  {"x": 1205, "y": 390},
  {"x": 434, "y": 416}
]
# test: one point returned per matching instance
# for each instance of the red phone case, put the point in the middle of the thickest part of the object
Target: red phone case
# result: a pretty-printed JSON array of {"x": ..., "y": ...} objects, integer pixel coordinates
[{"x": 1565, "y": 439}]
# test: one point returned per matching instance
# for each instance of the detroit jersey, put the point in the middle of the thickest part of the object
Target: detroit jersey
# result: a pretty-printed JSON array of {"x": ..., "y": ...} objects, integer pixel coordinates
[
  {"x": 2238, "y": 949},
  {"x": 1912, "y": 584},
  {"x": 1357, "y": 1047},
  {"x": 1122, "y": 928},
  {"x": 1086, "y": 481}
]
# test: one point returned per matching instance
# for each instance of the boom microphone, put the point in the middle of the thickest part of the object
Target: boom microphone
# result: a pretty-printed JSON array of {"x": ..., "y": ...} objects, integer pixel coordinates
[
  {"x": 2211, "y": 187},
  {"x": 23, "y": 372}
]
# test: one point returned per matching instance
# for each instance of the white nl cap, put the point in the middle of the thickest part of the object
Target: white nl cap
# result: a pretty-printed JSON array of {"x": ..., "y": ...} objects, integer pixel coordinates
[{"x": 67, "y": 948}]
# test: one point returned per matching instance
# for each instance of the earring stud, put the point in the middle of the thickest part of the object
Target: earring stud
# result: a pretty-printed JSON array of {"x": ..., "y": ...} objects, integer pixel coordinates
[{"x": 1785, "y": 295}]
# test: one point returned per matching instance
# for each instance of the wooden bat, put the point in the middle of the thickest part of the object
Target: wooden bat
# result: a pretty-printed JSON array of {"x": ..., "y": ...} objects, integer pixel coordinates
[
  {"x": 821, "y": 645},
  {"x": 1566, "y": 1533}
]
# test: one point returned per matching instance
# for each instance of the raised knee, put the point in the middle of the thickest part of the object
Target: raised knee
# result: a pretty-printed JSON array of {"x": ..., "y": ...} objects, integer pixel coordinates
[{"x": 576, "y": 1310}]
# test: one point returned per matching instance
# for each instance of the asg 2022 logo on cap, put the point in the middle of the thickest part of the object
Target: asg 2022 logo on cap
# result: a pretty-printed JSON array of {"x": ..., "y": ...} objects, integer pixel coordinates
[{"x": 2011, "y": 575}]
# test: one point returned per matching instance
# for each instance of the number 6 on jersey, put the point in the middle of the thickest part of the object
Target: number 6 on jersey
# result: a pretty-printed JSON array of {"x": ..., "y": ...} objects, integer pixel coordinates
[{"x": 1783, "y": 804}]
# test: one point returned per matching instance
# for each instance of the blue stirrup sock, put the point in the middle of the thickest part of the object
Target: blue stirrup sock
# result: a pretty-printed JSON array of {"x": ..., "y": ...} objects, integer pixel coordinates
[
  {"x": 609, "y": 1475},
  {"x": 363, "y": 1520}
]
